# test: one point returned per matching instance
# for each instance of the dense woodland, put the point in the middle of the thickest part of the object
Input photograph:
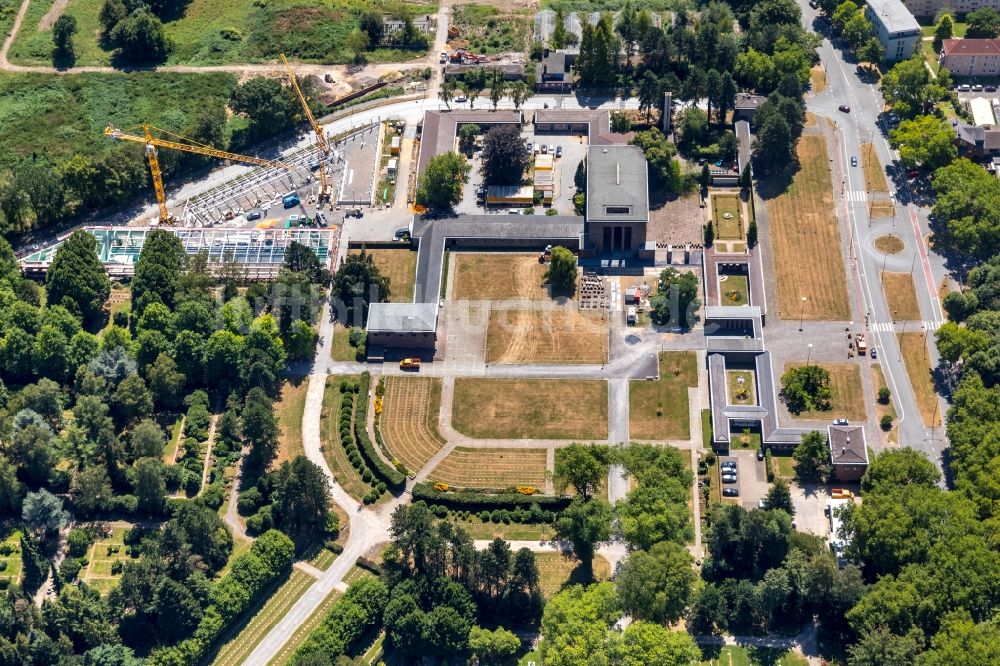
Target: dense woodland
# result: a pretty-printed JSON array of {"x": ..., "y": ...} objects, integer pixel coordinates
[{"x": 86, "y": 401}]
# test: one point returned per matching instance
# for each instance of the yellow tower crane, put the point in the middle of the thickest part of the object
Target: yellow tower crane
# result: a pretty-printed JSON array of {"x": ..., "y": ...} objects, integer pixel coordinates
[
  {"x": 321, "y": 145},
  {"x": 152, "y": 143}
]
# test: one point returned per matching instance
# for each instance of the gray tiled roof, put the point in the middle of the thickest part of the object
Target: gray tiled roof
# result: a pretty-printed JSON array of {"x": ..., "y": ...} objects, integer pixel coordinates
[{"x": 847, "y": 445}]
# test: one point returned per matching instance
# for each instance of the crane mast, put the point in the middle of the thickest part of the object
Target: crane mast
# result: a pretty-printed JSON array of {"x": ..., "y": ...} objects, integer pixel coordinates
[
  {"x": 151, "y": 143},
  {"x": 321, "y": 144}
]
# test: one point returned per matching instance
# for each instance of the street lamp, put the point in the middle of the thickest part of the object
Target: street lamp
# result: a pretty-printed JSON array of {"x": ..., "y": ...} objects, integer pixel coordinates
[
  {"x": 809, "y": 355},
  {"x": 802, "y": 312}
]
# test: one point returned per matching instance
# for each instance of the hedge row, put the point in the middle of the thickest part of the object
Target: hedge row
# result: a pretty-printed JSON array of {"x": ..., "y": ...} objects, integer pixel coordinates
[
  {"x": 348, "y": 620},
  {"x": 347, "y": 403},
  {"x": 392, "y": 477},
  {"x": 269, "y": 558},
  {"x": 475, "y": 501}
]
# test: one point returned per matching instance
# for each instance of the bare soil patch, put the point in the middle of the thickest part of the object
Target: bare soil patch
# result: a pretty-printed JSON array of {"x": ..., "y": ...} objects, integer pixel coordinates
[
  {"x": 677, "y": 222},
  {"x": 546, "y": 336}
]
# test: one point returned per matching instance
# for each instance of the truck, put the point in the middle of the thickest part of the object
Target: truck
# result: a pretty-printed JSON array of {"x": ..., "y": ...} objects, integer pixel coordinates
[
  {"x": 291, "y": 199},
  {"x": 862, "y": 345},
  {"x": 410, "y": 364}
]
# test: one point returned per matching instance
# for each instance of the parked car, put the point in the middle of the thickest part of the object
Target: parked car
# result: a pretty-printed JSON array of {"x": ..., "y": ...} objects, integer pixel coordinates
[
  {"x": 729, "y": 478},
  {"x": 253, "y": 215},
  {"x": 840, "y": 422},
  {"x": 552, "y": 149},
  {"x": 730, "y": 492},
  {"x": 461, "y": 99},
  {"x": 728, "y": 464},
  {"x": 965, "y": 87},
  {"x": 558, "y": 151},
  {"x": 410, "y": 364},
  {"x": 874, "y": 354},
  {"x": 990, "y": 88},
  {"x": 977, "y": 88},
  {"x": 760, "y": 454},
  {"x": 545, "y": 148},
  {"x": 403, "y": 233},
  {"x": 537, "y": 148},
  {"x": 844, "y": 108},
  {"x": 443, "y": 57}
]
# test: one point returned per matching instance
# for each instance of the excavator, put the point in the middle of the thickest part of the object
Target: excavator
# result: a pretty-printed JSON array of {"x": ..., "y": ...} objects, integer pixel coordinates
[
  {"x": 186, "y": 145},
  {"x": 322, "y": 146}
]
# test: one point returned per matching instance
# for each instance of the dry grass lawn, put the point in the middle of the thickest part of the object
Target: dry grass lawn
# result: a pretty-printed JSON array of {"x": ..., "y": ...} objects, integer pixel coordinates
[
  {"x": 881, "y": 410},
  {"x": 914, "y": 349},
  {"x": 806, "y": 239},
  {"x": 817, "y": 76},
  {"x": 874, "y": 173},
  {"x": 659, "y": 409},
  {"x": 561, "y": 335},
  {"x": 558, "y": 570},
  {"x": 492, "y": 468},
  {"x": 901, "y": 295},
  {"x": 410, "y": 418},
  {"x": 531, "y": 408},
  {"x": 498, "y": 276},
  {"x": 847, "y": 398},
  {"x": 889, "y": 244},
  {"x": 400, "y": 266},
  {"x": 289, "y": 409},
  {"x": 880, "y": 209}
]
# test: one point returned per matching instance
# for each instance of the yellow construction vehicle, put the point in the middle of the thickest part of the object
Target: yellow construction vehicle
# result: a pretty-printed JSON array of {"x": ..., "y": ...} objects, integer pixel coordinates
[
  {"x": 321, "y": 145},
  {"x": 152, "y": 143}
]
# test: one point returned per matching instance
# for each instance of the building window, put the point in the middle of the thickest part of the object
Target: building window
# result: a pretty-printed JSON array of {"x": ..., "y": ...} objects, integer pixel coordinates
[{"x": 617, "y": 210}]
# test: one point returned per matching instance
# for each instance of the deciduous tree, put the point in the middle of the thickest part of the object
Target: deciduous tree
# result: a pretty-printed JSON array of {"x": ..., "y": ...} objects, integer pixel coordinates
[
  {"x": 442, "y": 182},
  {"x": 76, "y": 277},
  {"x": 505, "y": 157}
]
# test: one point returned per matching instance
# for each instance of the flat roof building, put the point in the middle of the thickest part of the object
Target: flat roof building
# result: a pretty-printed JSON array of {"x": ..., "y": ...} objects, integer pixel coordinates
[
  {"x": 982, "y": 112},
  {"x": 896, "y": 29},
  {"x": 955, "y": 7},
  {"x": 617, "y": 199},
  {"x": 848, "y": 451},
  {"x": 402, "y": 325}
]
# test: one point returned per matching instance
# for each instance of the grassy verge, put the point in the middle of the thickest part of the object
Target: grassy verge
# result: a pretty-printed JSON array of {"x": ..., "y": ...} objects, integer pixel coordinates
[
  {"x": 531, "y": 408},
  {"x": 659, "y": 409},
  {"x": 882, "y": 410},
  {"x": 914, "y": 349},
  {"x": 340, "y": 346},
  {"x": 341, "y": 467},
  {"x": 874, "y": 174},
  {"x": 303, "y": 630},
  {"x": 478, "y": 529},
  {"x": 175, "y": 439},
  {"x": 256, "y": 627},
  {"x": 901, "y": 296},
  {"x": 289, "y": 410},
  {"x": 706, "y": 429}
]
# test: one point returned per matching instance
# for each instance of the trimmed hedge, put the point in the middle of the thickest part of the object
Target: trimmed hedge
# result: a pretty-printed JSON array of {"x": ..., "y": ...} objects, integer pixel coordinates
[
  {"x": 394, "y": 480},
  {"x": 348, "y": 620},
  {"x": 476, "y": 501},
  {"x": 269, "y": 558}
]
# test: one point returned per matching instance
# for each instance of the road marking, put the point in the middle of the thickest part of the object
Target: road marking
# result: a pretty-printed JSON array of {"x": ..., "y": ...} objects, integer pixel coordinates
[
  {"x": 890, "y": 327},
  {"x": 857, "y": 196}
]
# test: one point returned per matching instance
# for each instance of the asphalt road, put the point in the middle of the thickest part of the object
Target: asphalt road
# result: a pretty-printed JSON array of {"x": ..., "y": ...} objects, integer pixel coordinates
[{"x": 864, "y": 124}]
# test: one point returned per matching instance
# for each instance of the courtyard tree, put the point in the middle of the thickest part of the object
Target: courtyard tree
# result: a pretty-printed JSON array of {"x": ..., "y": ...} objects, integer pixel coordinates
[
  {"x": 812, "y": 458},
  {"x": 676, "y": 300},
  {"x": 660, "y": 153},
  {"x": 355, "y": 286},
  {"x": 779, "y": 497},
  {"x": 467, "y": 136},
  {"x": 982, "y": 24},
  {"x": 562, "y": 270},
  {"x": 505, "y": 157},
  {"x": 806, "y": 388},
  {"x": 76, "y": 279},
  {"x": 442, "y": 182}
]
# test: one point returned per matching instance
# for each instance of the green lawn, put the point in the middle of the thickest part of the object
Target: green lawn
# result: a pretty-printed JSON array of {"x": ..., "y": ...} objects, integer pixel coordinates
[
  {"x": 659, "y": 409},
  {"x": 734, "y": 290},
  {"x": 102, "y": 555},
  {"x": 735, "y": 655},
  {"x": 477, "y": 529},
  {"x": 731, "y": 227},
  {"x": 214, "y": 32},
  {"x": 489, "y": 30},
  {"x": 12, "y": 572},
  {"x": 741, "y": 393},
  {"x": 928, "y": 26}
]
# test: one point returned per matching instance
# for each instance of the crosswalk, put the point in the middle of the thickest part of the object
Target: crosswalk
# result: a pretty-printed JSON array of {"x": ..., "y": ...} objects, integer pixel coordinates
[
  {"x": 890, "y": 327},
  {"x": 856, "y": 195}
]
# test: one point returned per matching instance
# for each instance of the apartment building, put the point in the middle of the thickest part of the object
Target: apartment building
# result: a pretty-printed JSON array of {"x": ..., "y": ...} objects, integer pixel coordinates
[{"x": 895, "y": 27}]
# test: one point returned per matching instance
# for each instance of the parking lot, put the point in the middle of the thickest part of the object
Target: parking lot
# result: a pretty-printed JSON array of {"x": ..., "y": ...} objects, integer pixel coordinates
[
  {"x": 751, "y": 479},
  {"x": 574, "y": 149}
]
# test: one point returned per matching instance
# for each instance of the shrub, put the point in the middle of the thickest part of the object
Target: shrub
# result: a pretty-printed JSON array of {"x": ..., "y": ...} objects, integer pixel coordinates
[
  {"x": 68, "y": 570},
  {"x": 477, "y": 500},
  {"x": 192, "y": 483},
  {"x": 886, "y": 422},
  {"x": 261, "y": 521},
  {"x": 116, "y": 567},
  {"x": 884, "y": 395},
  {"x": 214, "y": 495},
  {"x": 125, "y": 504},
  {"x": 768, "y": 465},
  {"x": 249, "y": 501},
  {"x": 78, "y": 541},
  {"x": 392, "y": 477}
]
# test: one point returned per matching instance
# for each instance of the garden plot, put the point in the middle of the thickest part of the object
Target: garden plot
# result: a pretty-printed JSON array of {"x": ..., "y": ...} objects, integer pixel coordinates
[
  {"x": 492, "y": 468},
  {"x": 410, "y": 417}
]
